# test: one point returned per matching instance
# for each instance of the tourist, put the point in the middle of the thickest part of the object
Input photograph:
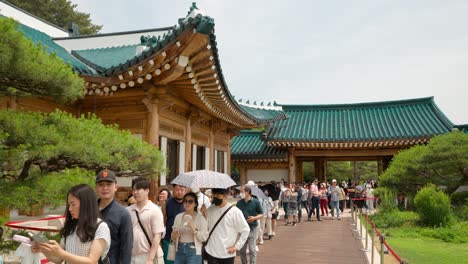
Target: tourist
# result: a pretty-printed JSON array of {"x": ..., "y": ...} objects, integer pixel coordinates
[
  {"x": 323, "y": 199},
  {"x": 334, "y": 191},
  {"x": 84, "y": 238},
  {"x": 190, "y": 230},
  {"x": 230, "y": 234},
  {"x": 304, "y": 199},
  {"x": 148, "y": 226},
  {"x": 269, "y": 205},
  {"x": 342, "y": 197},
  {"x": 203, "y": 200},
  {"x": 252, "y": 211},
  {"x": 370, "y": 198},
  {"x": 291, "y": 197},
  {"x": 116, "y": 216},
  {"x": 315, "y": 201},
  {"x": 174, "y": 206}
]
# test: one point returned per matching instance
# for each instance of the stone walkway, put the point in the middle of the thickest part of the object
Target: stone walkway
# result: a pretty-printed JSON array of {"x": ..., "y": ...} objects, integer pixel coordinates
[{"x": 329, "y": 241}]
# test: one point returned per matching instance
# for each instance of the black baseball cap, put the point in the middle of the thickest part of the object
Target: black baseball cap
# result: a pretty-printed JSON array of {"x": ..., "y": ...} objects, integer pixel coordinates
[{"x": 106, "y": 175}]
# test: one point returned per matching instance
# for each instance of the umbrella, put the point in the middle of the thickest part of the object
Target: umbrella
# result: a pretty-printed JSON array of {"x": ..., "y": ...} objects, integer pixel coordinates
[
  {"x": 204, "y": 179},
  {"x": 273, "y": 191},
  {"x": 257, "y": 192}
]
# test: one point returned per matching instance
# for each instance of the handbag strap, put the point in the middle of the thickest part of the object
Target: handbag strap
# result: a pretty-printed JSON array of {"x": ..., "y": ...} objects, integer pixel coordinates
[
  {"x": 142, "y": 228},
  {"x": 219, "y": 220}
]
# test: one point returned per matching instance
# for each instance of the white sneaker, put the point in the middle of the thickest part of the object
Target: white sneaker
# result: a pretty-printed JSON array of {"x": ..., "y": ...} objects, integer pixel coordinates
[
  {"x": 261, "y": 242},
  {"x": 333, "y": 217},
  {"x": 256, "y": 248}
]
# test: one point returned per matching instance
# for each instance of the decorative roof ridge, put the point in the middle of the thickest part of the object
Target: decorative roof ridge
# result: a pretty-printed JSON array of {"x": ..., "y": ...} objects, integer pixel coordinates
[
  {"x": 110, "y": 47},
  {"x": 117, "y": 33},
  {"x": 421, "y": 100},
  {"x": 251, "y": 132},
  {"x": 36, "y": 17},
  {"x": 261, "y": 106}
]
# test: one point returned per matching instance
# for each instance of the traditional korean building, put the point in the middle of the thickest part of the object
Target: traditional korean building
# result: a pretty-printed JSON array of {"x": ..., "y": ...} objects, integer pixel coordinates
[
  {"x": 165, "y": 85},
  {"x": 345, "y": 132}
]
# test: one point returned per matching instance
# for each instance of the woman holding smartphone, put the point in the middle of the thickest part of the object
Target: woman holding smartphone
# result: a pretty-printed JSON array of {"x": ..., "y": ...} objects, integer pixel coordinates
[
  {"x": 85, "y": 237},
  {"x": 190, "y": 230}
]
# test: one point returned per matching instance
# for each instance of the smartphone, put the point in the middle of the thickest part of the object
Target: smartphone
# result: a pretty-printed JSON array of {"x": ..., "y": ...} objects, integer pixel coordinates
[{"x": 40, "y": 238}]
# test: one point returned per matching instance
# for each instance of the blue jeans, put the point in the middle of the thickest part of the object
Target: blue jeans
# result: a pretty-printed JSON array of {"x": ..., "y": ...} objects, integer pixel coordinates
[
  {"x": 335, "y": 205},
  {"x": 187, "y": 254},
  {"x": 315, "y": 207}
]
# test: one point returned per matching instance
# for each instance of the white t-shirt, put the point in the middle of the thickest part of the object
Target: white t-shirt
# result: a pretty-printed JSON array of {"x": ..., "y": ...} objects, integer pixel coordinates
[
  {"x": 76, "y": 247},
  {"x": 227, "y": 231}
]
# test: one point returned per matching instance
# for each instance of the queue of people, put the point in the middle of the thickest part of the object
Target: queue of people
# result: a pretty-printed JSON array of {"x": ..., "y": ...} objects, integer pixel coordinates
[{"x": 185, "y": 227}]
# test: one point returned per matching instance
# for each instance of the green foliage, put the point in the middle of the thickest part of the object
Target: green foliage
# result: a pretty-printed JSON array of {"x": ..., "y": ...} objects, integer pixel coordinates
[
  {"x": 43, "y": 188},
  {"x": 441, "y": 162},
  {"x": 386, "y": 199},
  {"x": 461, "y": 212},
  {"x": 58, "y": 12},
  {"x": 8, "y": 245},
  {"x": 40, "y": 155},
  {"x": 459, "y": 198},
  {"x": 394, "y": 218},
  {"x": 457, "y": 233},
  {"x": 27, "y": 69},
  {"x": 433, "y": 206}
]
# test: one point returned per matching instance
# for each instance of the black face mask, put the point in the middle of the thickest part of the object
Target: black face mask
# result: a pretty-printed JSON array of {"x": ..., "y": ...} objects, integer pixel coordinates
[{"x": 217, "y": 201}]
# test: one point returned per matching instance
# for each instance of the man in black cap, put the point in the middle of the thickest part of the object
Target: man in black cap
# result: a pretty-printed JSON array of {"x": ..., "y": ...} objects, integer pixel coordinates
[{"x": 117, "y": 218}]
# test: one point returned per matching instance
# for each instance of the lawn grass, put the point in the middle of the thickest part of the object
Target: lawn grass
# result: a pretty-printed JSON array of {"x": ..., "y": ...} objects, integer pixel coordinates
[{"x": 428, "y": 250}]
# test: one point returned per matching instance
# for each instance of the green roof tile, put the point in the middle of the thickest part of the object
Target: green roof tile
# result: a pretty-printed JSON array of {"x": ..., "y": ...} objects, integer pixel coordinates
[
  {"x": 50, "y": 46},
  {"x": 263, "y": 114},
  {"x": 249, "y": 145},
  {"x": 413, "y": 118},
  {"x": 104, "y": 58}
]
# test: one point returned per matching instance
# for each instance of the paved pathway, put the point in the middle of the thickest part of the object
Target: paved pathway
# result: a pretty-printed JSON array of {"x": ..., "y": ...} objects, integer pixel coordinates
[{"x": 329, "y": 241}]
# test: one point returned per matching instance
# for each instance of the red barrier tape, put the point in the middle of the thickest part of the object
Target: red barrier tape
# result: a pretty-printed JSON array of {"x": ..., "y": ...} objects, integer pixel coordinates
[
  {"x": 16, "y": 224},
  {"x": 360, "y": 199},
  {"x": 390, "y": 249}
]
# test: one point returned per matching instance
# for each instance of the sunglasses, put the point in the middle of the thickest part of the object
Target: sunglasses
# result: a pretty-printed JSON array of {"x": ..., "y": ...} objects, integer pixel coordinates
[{"x": 189, "y": 201}]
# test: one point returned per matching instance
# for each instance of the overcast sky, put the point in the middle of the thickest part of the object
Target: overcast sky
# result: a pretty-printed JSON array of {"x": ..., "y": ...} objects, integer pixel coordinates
[{"x": 324, "y": 52}]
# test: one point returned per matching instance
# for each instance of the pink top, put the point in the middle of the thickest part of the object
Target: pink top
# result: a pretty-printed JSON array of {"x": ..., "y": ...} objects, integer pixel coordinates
[
  {"x": 314, "y": 190},
  {"x": 152, "y": 219}
]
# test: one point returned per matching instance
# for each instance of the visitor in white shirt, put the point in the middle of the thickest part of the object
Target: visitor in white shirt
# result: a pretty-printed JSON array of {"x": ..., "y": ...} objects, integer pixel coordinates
[
  {"x": 202, "y": 198},
  {"x": 224, "y": 241}
]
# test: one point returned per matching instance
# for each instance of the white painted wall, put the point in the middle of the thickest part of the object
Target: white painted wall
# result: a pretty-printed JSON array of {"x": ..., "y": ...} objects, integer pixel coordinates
[
  {"x": 97, "y": 41},
  {"x": 194, "y": 157},
  {"x": 267, "y": 175},
  {"x": 30, "y": 21},
  {"x": 181, "y": 157},
  {"x": 162, "y": 179},
  {"x": 207, "y": 158},
  {"x": 125, "y": 181},
  {"x": 216, "y": 160}
]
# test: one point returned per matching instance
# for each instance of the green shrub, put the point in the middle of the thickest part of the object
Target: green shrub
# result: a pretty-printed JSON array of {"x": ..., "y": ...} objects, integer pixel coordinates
[
  {"x": 386, "y": 199},
  {"x": 433, "y": 206},
  {"x": 461, "y": 212},
  {"x": 459, "y": 198},
  {"x": 394, "y": 218}
]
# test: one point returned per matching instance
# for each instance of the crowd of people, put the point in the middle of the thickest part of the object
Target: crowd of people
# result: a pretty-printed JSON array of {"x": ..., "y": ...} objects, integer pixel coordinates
[{"x": 186, "y": 225}]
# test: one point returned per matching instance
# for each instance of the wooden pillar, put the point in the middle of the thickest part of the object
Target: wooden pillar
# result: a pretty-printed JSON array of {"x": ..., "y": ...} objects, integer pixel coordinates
[
  {"x": 292, "y": 166},
  {"x": 325, "y": 177},
  {"x": 188, "y": 143},
  {"x": 227, "y": 160},
  {"x": 355, "y": 170},
  {"x": 320, "y": 169},
  {"x": 152, "y": 130},
  {"x": 380, "y": 165},
  {"x": 211, "y": 146},
  {"x": 242, "y": 174},
  {"x": 152, "y": 135},
  {"x": 300, "y": 171}
]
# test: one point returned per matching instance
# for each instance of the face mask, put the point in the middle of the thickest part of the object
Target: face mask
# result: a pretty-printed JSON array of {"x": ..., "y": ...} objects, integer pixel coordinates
[
  {"x": 217, "y": 201},
  {"x": 242, "y": 195}
]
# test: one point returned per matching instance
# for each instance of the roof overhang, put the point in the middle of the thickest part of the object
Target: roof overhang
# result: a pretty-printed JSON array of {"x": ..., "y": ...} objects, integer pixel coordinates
[{"x": 387, "y": 143}]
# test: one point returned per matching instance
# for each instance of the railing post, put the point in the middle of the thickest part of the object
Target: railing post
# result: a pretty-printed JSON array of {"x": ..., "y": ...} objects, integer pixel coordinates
[
  {"x": 366, "y": 248},
  {"x": 382, "y": 240},
  {"x": 372, "y": 246}
]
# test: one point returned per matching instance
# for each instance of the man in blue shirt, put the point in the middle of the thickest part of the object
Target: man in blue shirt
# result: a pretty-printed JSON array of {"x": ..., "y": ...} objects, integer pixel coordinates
[
  {"x": 252, "y": 210},
  {"x": 174, "y": 206},
  {"x": 117, "y": 218}
]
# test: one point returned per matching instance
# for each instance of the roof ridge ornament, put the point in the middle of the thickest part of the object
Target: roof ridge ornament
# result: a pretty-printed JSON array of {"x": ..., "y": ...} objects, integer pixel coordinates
[{"x": 262, "y": 105}]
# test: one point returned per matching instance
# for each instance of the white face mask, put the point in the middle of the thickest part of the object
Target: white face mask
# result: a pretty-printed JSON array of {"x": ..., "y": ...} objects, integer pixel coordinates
[{"x": 242, "y": 195}]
